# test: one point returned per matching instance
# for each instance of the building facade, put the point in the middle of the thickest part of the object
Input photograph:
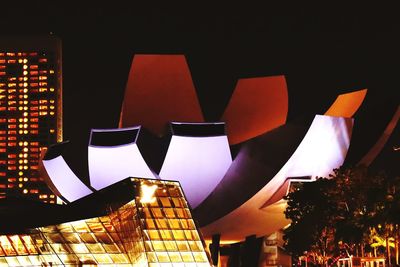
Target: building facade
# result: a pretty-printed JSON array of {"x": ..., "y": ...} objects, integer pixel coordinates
[
  {"x": 30, "y": 112},
  {"x": 136, "y": 222}
]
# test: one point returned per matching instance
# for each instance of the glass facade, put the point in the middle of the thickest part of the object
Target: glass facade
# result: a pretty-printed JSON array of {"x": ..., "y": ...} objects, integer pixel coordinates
[
  {"x": 155, "y": 229},
  {"x": 30, "y": 117}
]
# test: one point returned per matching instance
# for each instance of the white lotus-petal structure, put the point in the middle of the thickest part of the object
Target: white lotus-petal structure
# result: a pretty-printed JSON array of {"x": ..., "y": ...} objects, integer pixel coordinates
[
  {"x": 198, "y": 157},
  {"x": 62, "y": 179},
  {"x": 114, "y": 155},
  {"x": 323, "y": 148}
]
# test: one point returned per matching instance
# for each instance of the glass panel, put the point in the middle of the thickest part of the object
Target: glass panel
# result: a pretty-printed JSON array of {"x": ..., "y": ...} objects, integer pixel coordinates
[
  {"x": 195, "y": 246},
  {"x": 150, "y": 224},
  {"x": 65, "y": 227},
  {"x": 182, "y": 246},
  {"x": 53, "y": 259},
  {"x": 18, "y": 246},
  {"x": 158, "y": 245},
  {"x": 157, "y": 212},
  {"x": 5, "y": 243},
  {"x": 95, "y": 248},
  {"x": 24, "y": 261},
  {"x": 175, "y": 257},
  {"x": 151, "y": 257},
  {"x": 103, "y": 258},
  {"x": 12, "y": 261},
  {"x": 187, "y": 256},
  {"x": 79, "y": 248},
  {"x": 169, "y": 212},
  {"x": 111, "y": 248},
  {"x": 60, "y": 248},
  {"x": 29, "y": 244},
  {"x": 178, "y": 234},
  {"x": 163, "y": 257},
  {"x": 200, "y": 256},
  {"x": 109, "y": 227},
  {"x": 80, "y": 226},
  {"x": 86, "y": 259},
  {"x": 96, "y": 227},
  {"x": 177, "y": 202},
  {"x": 174, "y": 192},
  {"x": 54, "y": 238},
  {"x": 87, "y": 237},
  {"x": 170, "y": 245},
  {"x": 68, "y": 258},
  {"x": 153, "y": 234},
  {"x": 148, "y": 246},
  {"x": 35, "y": 260},
  {"x": 161, "y": 223},
  {"x": 165, "y": 202},
  {"x": 49, "y": 229},
  {"x": 165, "y": 234},
  {"x": 174, "y": 223},
  {"x": 103, "y": 238},
  {"x": 119, "y": 258},
  {"x": 71, "y": 238}
]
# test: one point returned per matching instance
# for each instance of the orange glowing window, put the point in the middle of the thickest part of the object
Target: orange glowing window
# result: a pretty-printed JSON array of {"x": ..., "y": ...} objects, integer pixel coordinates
[
  {"x": 42, "y": 60},
  {"x": 12, "y": 144},
  {"x": 12, "y": 180},
  {"x": 34, "y": 120},
  {"x": 35, "y": 126},
  {"x": 33, "y": 67},
  {"x": 43, "y": 113},
  {"x": 12, "y": 108},
  {"x": 12, "y": 120},
  {"x": 43, "y": 72},
  {"x": 42, "y": 78},
  {"x": 10, "y": 54},
  {"x": 3, "y": 120},
  {"x": 2, "y": 138},
  {"x": 2, "y": 61},
  {"x": 34, "y": 167},
  {"x": 2, "y": 174},
  {"x": 12, "y": 126},
  {"x": 34, "y": 114},
  {"x": 33, "y": 191},
  {"x": 3, "y": 108},
  {"x": 12, "y": 61},
  {"x": 33, "y": 53},
  {"x": 33, "y": 72},
  {"x": 2, "y": 186},
  {"x": 13, "y": 102},
  {"x": 43, "y": 101},
  {"x": 2, "y": 67},
  {"x": 34, "y": 132},
  {"x": 12, "y": 156},
  {"x": 35, "y": 108},
  {"x": 43, "y": 84},
  {"x": 2, "y": 73},
  {"x": 11, "y": 168},
  {"x": 3, "y": 144},
  {"x": 13, "y": 132},
  {"x": 12, "y": 138},
  {"x": 3, "y": 132},
  {"x": 10, "y": 186},
  {"x": 43, "y": 107}
]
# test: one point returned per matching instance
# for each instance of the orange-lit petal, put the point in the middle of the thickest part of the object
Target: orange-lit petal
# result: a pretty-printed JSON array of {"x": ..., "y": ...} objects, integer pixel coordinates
[
  {"x": 346, "y": 105},
  {"x": 258, "y": 105},
  {"x": 159, "y": 90}
]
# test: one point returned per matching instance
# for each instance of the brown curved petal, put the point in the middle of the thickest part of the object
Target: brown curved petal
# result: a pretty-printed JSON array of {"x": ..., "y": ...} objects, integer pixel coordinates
[
  {"x": 257, "y": 105},
  {"x": 377, "y": 148},
  {"x": 159, "y": 90},
  {"x": 346, "y": 105}
]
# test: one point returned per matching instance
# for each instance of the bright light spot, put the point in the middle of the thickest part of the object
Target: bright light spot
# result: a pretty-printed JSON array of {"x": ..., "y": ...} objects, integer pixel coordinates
[{"x": 147, "y": 194}]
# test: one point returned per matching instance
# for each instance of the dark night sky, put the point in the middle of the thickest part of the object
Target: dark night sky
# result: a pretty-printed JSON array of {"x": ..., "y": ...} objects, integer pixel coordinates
[{"x": 323, "y": 50}]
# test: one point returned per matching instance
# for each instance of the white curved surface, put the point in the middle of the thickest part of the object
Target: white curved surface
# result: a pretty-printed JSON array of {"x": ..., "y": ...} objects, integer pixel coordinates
[
  {"x": 108, "y": 165},
  {"x": 198, "y": 163},
  {"x": 65, "y": 181},
  {"x": 323, "y": 148}
]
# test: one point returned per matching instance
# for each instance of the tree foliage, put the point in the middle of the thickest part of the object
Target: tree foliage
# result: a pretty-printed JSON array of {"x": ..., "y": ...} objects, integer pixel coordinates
[{"x": 343, "y": 210}]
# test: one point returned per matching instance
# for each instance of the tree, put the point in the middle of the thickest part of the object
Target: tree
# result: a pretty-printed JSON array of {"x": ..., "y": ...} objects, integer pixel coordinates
[{"x": 342, "y": 211}]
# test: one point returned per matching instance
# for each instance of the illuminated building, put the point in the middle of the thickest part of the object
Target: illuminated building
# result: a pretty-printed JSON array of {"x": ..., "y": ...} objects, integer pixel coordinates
[
  {"x": 135, "y": 222},
  {"x": 30, "y": 112}
]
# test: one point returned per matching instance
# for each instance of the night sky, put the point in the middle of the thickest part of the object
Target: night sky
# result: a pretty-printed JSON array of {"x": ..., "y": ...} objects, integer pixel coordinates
[{"x": 323, "y": 50}]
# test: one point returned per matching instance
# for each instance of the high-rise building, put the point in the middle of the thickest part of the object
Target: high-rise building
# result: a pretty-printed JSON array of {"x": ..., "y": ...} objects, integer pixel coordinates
[{"x": 30, "y": 112}]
